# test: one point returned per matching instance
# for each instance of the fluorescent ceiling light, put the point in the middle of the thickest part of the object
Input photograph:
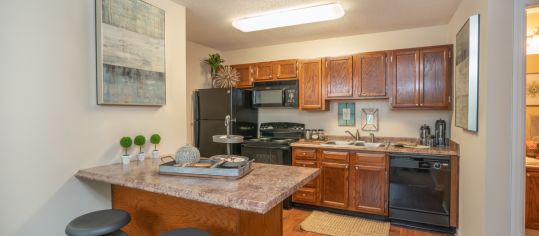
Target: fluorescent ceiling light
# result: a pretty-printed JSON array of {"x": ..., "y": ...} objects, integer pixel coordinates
[{"x": 290, "y": 17}]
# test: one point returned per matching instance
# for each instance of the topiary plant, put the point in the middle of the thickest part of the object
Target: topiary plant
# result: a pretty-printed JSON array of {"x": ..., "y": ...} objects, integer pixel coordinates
[
  {"x": 126, "y": 143},
  {"x": 155, "y": 139},
  {"x": 140, "y": 141}
]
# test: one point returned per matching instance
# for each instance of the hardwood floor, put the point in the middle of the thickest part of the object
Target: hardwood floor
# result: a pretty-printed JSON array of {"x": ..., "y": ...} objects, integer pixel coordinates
[{"x": 292, "y": 218}]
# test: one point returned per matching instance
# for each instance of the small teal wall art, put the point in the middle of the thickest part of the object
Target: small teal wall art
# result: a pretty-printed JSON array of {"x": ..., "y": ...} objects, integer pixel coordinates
[{"x": 347, "y": 114}]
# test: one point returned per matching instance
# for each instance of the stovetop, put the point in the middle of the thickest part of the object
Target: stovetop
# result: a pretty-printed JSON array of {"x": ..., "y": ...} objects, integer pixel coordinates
[{"x": 278, "y": 134}]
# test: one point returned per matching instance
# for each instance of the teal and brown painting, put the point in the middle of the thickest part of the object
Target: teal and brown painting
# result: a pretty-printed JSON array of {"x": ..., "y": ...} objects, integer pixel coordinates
[{"x": 131, "y": 53}]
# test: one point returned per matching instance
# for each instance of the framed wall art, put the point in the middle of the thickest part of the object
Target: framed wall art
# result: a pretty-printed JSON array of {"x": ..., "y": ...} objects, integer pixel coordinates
[
  {"x": 532, "y": 90},
  {"x": 369, "y": 119},
  {"x": 467, "y": 75},
  {"x": 347, "y": 113},
  {"x": 130, "y": 37}
]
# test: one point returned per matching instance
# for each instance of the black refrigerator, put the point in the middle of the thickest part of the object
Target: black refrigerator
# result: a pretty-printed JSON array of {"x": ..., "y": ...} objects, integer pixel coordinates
[{"x": 211, "y": 106}]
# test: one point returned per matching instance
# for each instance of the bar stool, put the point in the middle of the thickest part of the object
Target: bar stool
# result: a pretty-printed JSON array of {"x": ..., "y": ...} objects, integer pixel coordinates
[
  {"x": 186, "y": 232},
  {"x": 99, "y": 223}
]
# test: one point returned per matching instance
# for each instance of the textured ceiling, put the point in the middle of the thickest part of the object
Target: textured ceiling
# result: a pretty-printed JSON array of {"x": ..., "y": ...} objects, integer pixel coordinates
[{"x": 209, "y": 22}]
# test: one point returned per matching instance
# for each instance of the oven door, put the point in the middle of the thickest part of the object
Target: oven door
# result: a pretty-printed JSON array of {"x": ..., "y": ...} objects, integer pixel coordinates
[
  {"x": 270, "y": 155},
  {"x": 269, "y": 97},
  {"x": 419, "y": 189}
]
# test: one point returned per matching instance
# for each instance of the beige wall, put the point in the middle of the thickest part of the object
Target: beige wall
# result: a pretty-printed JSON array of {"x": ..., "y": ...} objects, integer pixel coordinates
[
  {"x": 198, "y": 76},
  {"x": 51, "y": 126},
  {"x": 485, "y": 155},
  {"x": 392, "y": 123}
]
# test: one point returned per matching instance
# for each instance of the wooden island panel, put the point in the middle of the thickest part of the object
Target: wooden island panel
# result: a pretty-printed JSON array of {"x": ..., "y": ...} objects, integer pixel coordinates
[{"x": 153, "y": 213}]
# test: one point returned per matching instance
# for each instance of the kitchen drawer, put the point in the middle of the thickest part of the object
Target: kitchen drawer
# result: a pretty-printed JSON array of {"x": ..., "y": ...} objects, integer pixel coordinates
[
  {"x": 369, "y": 159},
  {"x": 335, "y": 156},
  {"x": 311, "y": 164},
  {"x": 304, "y": 154},
  {"x": 305, "y": 195}
]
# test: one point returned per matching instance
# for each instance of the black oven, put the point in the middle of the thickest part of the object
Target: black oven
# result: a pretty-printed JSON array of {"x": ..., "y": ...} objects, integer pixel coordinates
[
  {"x": 420, "y": 189},
  {"x": 276, "y": 94}
]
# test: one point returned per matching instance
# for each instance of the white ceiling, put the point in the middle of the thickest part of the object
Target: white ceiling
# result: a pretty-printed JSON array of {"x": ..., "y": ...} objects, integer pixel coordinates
[{"x": 209, "y": 22}]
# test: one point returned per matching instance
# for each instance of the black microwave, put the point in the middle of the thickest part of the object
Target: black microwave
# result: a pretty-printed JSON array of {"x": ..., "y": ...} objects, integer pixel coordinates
[{"x": 276, "y": 94}]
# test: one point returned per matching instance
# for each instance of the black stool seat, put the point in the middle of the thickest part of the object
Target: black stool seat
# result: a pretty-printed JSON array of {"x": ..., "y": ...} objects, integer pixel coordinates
[
  {"x": 98, "y": 223},
  {"x": 186, "y": 232}
]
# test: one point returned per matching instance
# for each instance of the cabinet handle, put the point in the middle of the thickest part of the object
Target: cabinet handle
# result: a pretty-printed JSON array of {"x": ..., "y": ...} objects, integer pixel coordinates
[
  {"x": 528, "y": 174},
  {"x": 421, "y": 104},
  {"x": 357, "y": 168}
]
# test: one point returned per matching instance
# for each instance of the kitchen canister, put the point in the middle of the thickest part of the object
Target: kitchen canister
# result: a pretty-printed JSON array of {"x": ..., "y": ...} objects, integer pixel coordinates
[{"x": 187, "y": 154}]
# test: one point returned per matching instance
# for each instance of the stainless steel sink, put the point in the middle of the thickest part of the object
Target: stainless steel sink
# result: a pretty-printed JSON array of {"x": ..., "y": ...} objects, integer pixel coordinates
[
  {"x": 354, "y": 143},
  {"x": 370, "y": 145},
  {"x": 337, "y": 142}
]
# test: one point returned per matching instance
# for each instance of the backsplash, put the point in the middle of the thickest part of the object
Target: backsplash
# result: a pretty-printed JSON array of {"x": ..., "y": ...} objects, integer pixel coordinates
[{"x": 392, "y": 123}]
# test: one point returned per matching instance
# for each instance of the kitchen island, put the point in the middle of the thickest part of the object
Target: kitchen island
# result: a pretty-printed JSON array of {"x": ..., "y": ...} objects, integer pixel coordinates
[{"x": 251, "y": 205}]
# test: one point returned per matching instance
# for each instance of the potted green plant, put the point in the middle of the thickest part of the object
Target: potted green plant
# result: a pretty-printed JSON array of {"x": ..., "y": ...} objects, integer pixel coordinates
[
  {"x": 140, "y": 140},
  {"x": 126, "y": 143},
  {"x": 214, "y": 61},
  {"x": 155, "y": 139}
]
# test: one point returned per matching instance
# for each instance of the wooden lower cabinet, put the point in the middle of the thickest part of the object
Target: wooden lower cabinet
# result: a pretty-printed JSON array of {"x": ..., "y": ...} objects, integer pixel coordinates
[
  {"x": 368, "y": 189},
  {"x": 348, "y": 180},
  {"x": 532, "y": 198},
  {"x": 334, "y": 184}
]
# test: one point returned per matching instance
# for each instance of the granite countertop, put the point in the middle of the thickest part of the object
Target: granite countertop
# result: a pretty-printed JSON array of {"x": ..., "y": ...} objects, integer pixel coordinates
[
  {"x": 452, "y": 149},
  {"x": 259, "y": 191}
]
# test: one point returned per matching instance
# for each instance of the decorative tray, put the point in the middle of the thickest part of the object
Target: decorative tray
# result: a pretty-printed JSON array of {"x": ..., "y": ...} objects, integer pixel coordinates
[{"x": 170, "y": 168}]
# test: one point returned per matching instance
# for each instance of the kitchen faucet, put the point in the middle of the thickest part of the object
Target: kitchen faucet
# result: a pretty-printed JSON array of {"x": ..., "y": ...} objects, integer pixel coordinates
[
  {"x": 372, "y": 137},
  {"x": 356, "y": 137}
]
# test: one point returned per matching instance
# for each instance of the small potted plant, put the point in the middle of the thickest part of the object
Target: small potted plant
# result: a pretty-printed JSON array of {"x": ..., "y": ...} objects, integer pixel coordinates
[
  {"x": 214, "y": 61},
  {"x": 126, "y": 143},
  {"x": 140, "y": 141},
  {"x": 155, "y": 139}
]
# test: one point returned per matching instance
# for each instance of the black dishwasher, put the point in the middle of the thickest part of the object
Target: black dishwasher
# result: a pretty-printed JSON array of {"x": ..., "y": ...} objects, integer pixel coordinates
[{"x": 420, "y": 189}]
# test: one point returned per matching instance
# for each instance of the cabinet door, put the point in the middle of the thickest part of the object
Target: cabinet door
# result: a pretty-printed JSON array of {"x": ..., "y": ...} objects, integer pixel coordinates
[
  {"x": 405, "y": 65},
  {"x": 338, "y": 79},
  {"x": 310, "y": 85},
  {"x": 263, "y": 71},
  {"x": 435, "y": 77},
  {"x": 369, "y": 189},
  {"x": 370, "y": 75},
  {"x": 246, "y": 75},
  {"x": 310, "y": 164},
  {"x": 334, "y": 185},
  {"x": 285, "y": 69},
  {"x": 532, "y": 200}
]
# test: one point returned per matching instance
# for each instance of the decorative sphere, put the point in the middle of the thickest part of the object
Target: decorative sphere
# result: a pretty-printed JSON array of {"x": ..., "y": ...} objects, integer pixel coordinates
[{"x": 187, "y": 154}]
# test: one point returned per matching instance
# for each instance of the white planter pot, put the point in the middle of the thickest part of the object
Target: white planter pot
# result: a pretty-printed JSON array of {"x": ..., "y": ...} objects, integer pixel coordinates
[
  {"x": 125, "y": 159},
  {"x": 141, "y": 156},
  {"x": 155, "y": 154}
]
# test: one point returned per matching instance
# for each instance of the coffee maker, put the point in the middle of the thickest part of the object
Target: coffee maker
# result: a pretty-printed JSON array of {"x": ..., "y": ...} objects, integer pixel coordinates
[{"x": 439, "y": 131}]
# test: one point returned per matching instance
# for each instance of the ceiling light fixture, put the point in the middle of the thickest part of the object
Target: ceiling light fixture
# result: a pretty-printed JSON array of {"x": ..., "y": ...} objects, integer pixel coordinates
[{"x": 290, "y": 17}]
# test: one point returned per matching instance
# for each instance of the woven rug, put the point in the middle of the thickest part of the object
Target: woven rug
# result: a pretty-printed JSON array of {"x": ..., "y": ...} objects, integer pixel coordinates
[{"x": 340, "y": 225}]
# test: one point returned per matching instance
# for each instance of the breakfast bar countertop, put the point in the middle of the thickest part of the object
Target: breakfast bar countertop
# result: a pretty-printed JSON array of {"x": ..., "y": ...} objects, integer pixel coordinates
[{"x": 259, "y": 191}]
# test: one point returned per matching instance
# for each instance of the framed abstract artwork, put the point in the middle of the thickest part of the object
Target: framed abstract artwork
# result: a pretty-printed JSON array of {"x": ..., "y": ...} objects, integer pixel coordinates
[
  {"x": 467, "y": 75},
  {"x": 347, "y": 114},
  {"x": 130, "y": 38},
  {"x": 532, "y": 90}
]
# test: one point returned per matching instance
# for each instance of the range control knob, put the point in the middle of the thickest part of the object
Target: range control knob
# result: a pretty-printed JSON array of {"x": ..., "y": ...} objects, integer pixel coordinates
[{"x": 437, "y": 165}]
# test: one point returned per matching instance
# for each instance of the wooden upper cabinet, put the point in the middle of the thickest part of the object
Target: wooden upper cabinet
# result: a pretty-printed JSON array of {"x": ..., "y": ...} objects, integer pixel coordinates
[
  {"x": 435, "y": 77},
  {"x": 246, "y": 75},
  {"x": 422, "y": 77},
  {"x": 310, "y": 85},
  {"x": 285, "y": 69},
  {"x": 405, "y": 68},
  {"x": 338, "y": 80},
  {"x": 370, "y": 75},
  {"x": 263, "y": 71}
]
